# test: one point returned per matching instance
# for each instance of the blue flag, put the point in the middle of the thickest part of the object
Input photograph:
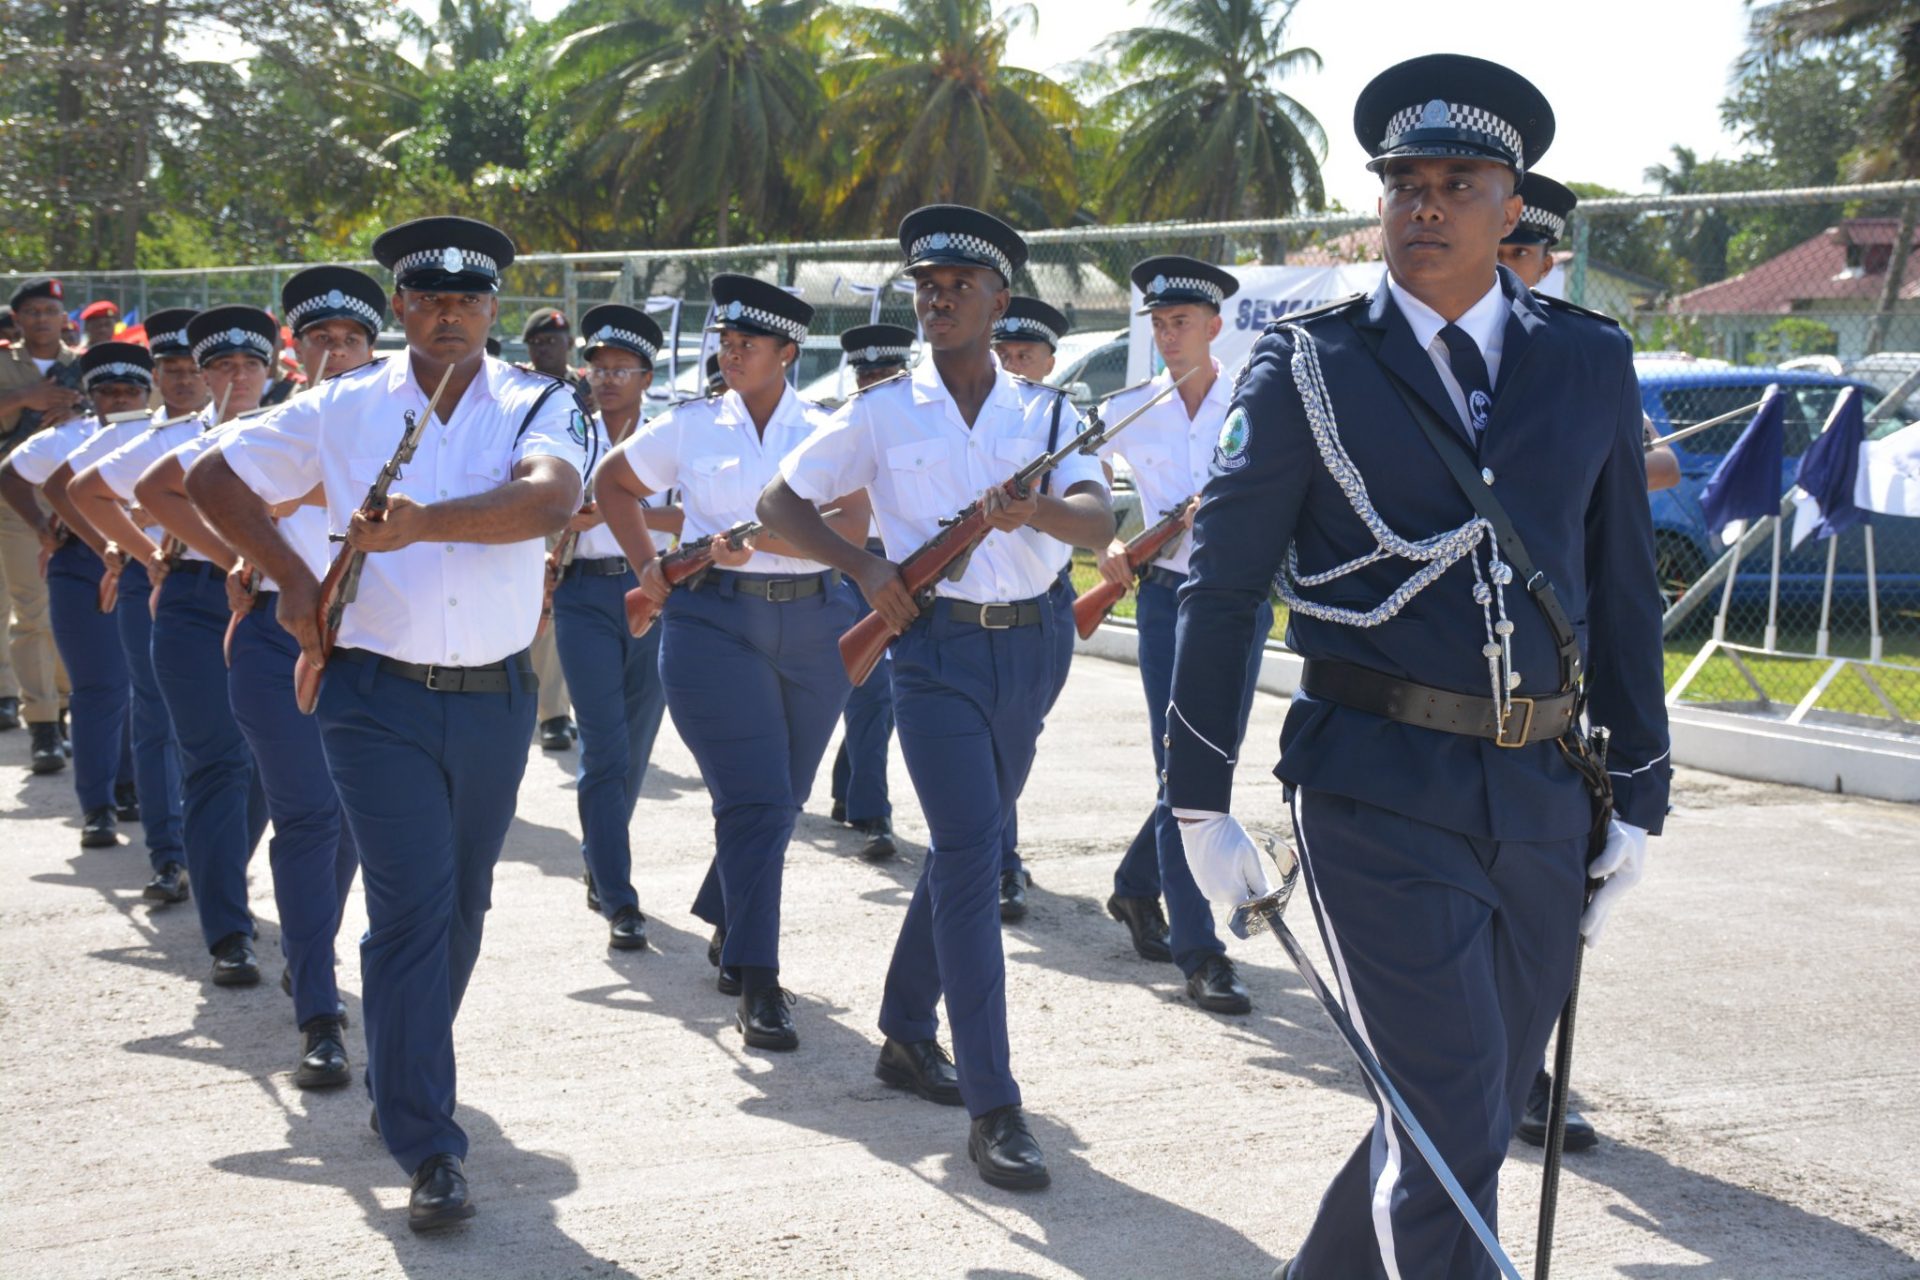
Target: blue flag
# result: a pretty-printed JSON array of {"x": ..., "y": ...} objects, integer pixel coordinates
[
  {"x": 1828, "y": 472},
  {"x": 1746, "y": 485}
]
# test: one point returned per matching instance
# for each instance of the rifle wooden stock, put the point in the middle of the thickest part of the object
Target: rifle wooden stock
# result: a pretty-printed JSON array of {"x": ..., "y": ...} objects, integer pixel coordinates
[
  {"x": 556, "y": 565},
  {"x": 686, "y": 561},
  {"x": 342, "y": 582},
  {"x": 1092, "y": 608},
  {"x": 865, "y": 643}
]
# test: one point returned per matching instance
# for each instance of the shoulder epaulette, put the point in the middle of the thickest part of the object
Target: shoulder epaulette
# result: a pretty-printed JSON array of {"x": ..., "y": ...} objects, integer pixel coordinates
[
  {"x": 1561, "y": 304},
  {"x": 1320, "y": 312},
  {"x": 1141, "y": 385},
  {"x": 875, "y": 386}
]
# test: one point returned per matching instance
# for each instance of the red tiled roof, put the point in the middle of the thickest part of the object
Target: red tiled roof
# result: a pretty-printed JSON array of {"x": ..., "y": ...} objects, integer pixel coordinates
[{"x": 1815, "y": 269}]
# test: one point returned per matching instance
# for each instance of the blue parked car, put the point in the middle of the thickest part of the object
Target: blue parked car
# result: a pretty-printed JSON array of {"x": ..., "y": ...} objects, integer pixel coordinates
[{"x": 1677, "y": 394}]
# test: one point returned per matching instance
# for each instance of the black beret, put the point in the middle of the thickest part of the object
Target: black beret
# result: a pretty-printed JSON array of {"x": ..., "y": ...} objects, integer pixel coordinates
[
  {"x": 542, "y": 320},
  {"x": 46, "y": 287}
]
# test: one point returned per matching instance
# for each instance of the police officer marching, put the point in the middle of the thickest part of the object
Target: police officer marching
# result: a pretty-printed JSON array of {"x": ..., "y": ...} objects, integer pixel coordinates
[
  {"x": 748, "y": 655},
  {"x": 875, "y": 352},
  {"x": 1170, "y": 452},
  {"x": 615, "y": 673},
  {"x": 427, "y": 699},
  {"x": 549, "y": 339},
  {"x": 1443, "y": 478},
  {"x": 973, "y": 673},
  {"x": 183, "y": 393}
]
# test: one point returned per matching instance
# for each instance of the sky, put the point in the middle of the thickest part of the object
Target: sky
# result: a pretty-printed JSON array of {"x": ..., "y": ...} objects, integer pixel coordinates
[{"x": 1626, "y": 84}]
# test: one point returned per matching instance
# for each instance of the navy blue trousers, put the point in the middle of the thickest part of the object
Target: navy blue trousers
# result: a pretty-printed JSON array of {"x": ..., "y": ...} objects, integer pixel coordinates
[
  {"x": 969, "y": 703},
  {"x": 428, "y": 782},
  {"x": 312, "y": 852},
  {"x": 1453, "y": 955},
  {"x": 90, "y": 647},
  {"x": 860, "y": 768},
  {"x": 1061, "y": 597},
  {"x": 223, "y": 809},
  {"x": 1155, "y": 863},
  {"x": 617, "y": 702},
  {"x": 754, "y": 689},
  {"x": 156, "y": 756}
]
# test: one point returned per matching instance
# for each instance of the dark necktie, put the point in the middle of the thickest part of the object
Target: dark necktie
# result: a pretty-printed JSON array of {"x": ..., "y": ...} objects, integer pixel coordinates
[{"x": 1470, "y": 371}]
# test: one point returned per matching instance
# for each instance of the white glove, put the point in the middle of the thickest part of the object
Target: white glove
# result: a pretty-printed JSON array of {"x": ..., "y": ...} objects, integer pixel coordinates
[
  {"x": 1620, "y": 865},
  {"x": 1227, "y": 865}
]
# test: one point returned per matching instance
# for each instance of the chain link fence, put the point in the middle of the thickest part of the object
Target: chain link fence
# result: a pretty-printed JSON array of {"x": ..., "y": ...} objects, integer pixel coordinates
[{"x": 1725, "y": 294}]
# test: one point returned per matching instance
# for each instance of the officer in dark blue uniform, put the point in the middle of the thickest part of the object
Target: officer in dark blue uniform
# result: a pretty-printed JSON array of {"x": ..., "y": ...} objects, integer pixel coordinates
[
  {"x": 1440, "y": 799},
  {"x": 875, "y": 352},
  {"x": 614, "y": 674}
]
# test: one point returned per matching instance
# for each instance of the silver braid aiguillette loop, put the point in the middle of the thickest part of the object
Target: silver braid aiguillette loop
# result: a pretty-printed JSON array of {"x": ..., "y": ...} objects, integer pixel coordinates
[{"x": 1435, "y": 554}]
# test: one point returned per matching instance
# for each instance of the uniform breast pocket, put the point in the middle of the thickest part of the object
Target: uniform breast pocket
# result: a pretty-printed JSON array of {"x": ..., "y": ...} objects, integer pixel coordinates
[
  {"x": 716, "y": 484},
  {"x": 922, "y": 478},
  {"x": 483, "y": 474}
]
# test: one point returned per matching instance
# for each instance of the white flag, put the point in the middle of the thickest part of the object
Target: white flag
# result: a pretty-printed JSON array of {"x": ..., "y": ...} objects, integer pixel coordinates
[{"x": 1889, "y": 479}]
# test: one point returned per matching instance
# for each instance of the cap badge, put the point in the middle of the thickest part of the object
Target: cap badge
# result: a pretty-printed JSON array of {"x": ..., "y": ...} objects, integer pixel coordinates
[
  {"x": 53, "y": 288},
  {"x": 938, "y": 240},
  {"x": 1157, "y": 285},
  {"x": 873, "y": 353},
  {"x": 1435, "y": 115},
  {"x": 452, "y": 261},
  {"x": 336, "y": 299},
  {"x": 735, "y": 310},
  {"x": 237, "y": 336}
]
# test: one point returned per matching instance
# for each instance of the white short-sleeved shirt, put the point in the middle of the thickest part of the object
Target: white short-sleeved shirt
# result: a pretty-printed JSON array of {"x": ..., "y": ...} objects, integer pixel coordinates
[
  {"x": 123, "y": 468},
  {"x": 102, "y": 443},
  {"x": 709, "y": 450},
  {"x": 906, "y": 444},
  {"x": 41, "y": 454},
  {"x": 1169, "y": 453},
  {"x": 305, "y": 529},
  {"x": 450, "y": 603},
  {"x": 598, "y": 543}
]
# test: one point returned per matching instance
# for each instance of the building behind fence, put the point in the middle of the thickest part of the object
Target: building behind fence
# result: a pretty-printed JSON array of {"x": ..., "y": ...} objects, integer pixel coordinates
[{"x": 1723, "y": 288}]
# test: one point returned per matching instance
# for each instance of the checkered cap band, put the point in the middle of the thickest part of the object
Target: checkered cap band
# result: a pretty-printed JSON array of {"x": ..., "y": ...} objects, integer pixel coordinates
[
  {"x": 961, "y": 243},
  {"x": 1188, "y": 284},
  {"x": 120, "y": 370},
  {"x": 450, "y": 260},
  {"x": 1437, "y": 114},
  {"x": 625, "y": 337},
  {"x": 237, "y": 339},
  {"x": 176, "y": 339},
  {"x": 336, "y": 301},
  {"x": 1024, "y": 328},
  {"x": 1539, "y": 219},
  {"x": 782, "y": 325},
  {"x": 880, "y": 355}
]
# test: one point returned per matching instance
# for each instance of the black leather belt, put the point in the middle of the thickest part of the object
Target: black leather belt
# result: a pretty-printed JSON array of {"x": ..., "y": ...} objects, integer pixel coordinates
[
  {"x": 490, "y": 678},
  {"x": 198, "y": 568},
  {"x": 599, "y": 567},
  {"x": 996, "y": 617},
  {"x": 1166, "y": 578},
  {"x": 772, "y": 590},
  {"x": 1361, "y": 689}
]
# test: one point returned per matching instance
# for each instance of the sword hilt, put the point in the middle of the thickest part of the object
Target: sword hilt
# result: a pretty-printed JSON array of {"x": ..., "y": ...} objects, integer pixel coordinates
[{"x": 1258, "y": 915}]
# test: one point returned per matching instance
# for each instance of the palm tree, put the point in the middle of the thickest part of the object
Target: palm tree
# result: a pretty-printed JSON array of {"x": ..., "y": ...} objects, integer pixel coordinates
[
  {"x": 465, "y": 32},
  {"x": 1891, "y": 147},
  {"x": 1204, "y": 131},
  {"x": 702, "y": 100},
  {"x": 925, "y": 110}
]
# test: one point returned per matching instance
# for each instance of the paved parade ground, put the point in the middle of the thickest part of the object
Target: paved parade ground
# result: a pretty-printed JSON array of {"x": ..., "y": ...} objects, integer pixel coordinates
[{"x": 1749, "y": 1050}]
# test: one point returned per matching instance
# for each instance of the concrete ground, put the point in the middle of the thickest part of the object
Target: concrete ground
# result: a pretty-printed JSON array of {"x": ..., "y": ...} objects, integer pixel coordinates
[{"x": 1748, "y": 1047}]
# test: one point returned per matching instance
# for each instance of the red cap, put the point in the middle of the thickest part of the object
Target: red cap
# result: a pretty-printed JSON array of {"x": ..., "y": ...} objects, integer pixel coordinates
[{"x": 100, "y": 308}]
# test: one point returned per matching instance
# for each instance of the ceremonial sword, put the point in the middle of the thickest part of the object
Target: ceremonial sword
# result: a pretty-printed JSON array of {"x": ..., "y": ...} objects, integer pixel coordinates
[{"x": 1264, "y": 913}]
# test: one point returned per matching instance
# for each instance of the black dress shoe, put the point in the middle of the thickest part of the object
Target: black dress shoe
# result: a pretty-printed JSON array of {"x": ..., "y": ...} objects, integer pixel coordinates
[
  {"x": 9, "y": 713},
  {"x": 1003, "y": 1148},
  {"x": 1146, "y": 922},
  {"x": 234, "y": 964},
  {"x": 838, "y": 812},
  {"x": 1216, "y": 988},
  {"x": 714, "y": 944},
  {"x": 66, "y": 737},
  {"x": 440, "y": 1196},
  {"x": 126, "y": 802},
  {"x": 764, "y": 1019},
  {"x": 47, "y": 755},
  {"x": 1013, "y": 895},
  {"x": 1532, "y": 1128},
  {"x": 593, "y": 894},
  {"x": 879, "y": 833},
  {"x": 373, "y": 1119},
  {"x": 286, "y": 983},
  {"x": 727, "y": 981},
  {"x": 323, "y": 1062},
  {"x": 556, "y": 734},
  {"x": 627, "y": 931},
  {"x": 169, "y": 884},
  {"x": 99, "y": 830},
  {"x": 922, "y": 1066}
]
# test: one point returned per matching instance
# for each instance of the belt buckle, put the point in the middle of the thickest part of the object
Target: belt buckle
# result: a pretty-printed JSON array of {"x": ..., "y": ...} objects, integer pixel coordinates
[
  {"x": 434, "y": 675},
  {"x": 1508, "y": 737},
  {"x": 986, "y": 614},
  {"x": 783, "y": 590}
]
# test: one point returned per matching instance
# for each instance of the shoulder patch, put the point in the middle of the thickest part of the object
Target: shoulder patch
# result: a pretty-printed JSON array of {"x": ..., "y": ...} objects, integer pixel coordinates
[
  {"x": 1321, "y": 312},
  {"x": 1560, "y": 304},
  {"x": 1230, "y": 452},
  {"x": 888, "y": 381}
]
